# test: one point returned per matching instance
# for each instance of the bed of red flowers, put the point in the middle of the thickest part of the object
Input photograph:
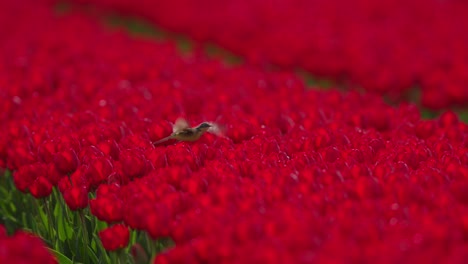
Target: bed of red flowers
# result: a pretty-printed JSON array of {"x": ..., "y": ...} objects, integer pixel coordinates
[
  {"x": 299, "y": 175},
  {"x": 389, "y": 46}
]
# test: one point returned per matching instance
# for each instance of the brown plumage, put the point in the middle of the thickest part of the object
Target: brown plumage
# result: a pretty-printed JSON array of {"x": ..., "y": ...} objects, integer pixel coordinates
[{"x": 183, "y": 132}]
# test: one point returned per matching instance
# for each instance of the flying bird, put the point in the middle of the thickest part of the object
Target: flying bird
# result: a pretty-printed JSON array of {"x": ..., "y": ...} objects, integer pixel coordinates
[{"x": 183, "y": 132}]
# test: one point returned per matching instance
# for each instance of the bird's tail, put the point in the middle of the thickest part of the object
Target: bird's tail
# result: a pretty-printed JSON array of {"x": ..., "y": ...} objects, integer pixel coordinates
[{"x": 162, "y": 140}]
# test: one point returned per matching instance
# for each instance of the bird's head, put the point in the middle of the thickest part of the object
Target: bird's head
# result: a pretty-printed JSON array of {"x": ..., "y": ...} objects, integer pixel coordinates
[{"x": 204, "y": 126}]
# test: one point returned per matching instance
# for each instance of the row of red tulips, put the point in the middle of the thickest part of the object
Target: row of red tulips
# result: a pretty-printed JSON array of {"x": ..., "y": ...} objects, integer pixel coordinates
[
  {"x": 390, "y": 47},
  {"x": 299, "y": 175}
]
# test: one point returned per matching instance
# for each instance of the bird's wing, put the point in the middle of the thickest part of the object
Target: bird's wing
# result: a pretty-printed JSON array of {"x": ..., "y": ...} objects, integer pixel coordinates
[
  {"x": 180, "y": 124},
  {"x": 217, "y": 129}
]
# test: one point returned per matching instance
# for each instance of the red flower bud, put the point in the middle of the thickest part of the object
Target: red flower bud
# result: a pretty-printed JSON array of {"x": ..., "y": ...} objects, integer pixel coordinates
[
  {"x": 89, "y": 153},
  {"x": 24, "y": 248},
  {"x": 109, "y": 148},
  {"x": 26, "y": 175},
  {"x": 108, "y": 189},
  {"x": 114, "y": 237},
  {"x": 66, "y": 161},
  {"x": 76, "y": 197},
  {"x": 64, "y": 184},
  {"x": 108, "y": 208},
  {"x": 53, "y": 175},
  {"x": 47, "y": 150},
  {"x": 41, "y": 187},
  {"x": 448, "y": 119},
  {"x": 99, "y": 171},
  {"x": 134, "y": 163}
]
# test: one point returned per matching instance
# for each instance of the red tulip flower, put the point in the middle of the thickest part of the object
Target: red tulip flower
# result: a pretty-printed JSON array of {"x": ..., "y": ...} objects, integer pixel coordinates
[
  {"x": 114, "y": 237},
  {"x": 76, "y": 197},
  {"x": 107, "y": 208},
  {"x": 66, "y": 161},
  {"x": 41, "y": 187},
  {"x": 24, "y": 248}
]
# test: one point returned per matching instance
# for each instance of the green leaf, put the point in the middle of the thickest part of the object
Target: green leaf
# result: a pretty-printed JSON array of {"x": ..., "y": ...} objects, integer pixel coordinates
[
  {"x": 61, "y": 229},
  {"x": 92, "y": 255},
  {"x": 100, "y": 225},
  {"x": 65, "y": 231},
  {"x": 101, "y": 250},
  {"x": 62, "y": 259},
  {"x": 4, "y": 192},
  {"x": 133, "y": 237},
  {"x": 57, "y": 209},
  {"x": 12, "y": 207},
  {"x": 93, "y": 245},
  {"x": 42, "y": 215},
  {"x": 10, "y": 218}
]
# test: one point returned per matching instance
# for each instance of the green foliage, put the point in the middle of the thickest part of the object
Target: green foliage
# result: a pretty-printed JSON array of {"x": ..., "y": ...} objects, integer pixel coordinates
[
  {"x": 71, "y": 236},
  {"x": 140, "y": 28}
]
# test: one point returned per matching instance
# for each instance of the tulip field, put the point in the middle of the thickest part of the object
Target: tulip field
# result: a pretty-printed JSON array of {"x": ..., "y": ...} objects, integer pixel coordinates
[{"x": 342, "y": 134}]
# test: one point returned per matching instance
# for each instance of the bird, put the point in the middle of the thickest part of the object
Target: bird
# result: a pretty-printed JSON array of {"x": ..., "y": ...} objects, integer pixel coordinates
[{"x": 183, "y": 132}]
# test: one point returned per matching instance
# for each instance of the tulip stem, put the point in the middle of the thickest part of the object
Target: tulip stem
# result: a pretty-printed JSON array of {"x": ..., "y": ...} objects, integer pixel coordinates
[
  {"x": 39, "y": 212},
  {"x": 120, "y": 257},
  {"x": 85, "y": 235},
  {"x": 149, "y": 244},
  {"x": 50, "y": 221}
]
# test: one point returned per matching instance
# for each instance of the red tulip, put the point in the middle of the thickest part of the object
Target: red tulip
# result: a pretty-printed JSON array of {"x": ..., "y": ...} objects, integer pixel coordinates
[
  {"x": 27, "y": 175},
  {"x": 41, "y": 187},
  {"x": 66, "y": 161},
  {"x": 107, "y": 208},
  {"x": 24, "y": 248},
  {"x": 114, "y": 237},
  {"x": 76, "y": 197}
]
